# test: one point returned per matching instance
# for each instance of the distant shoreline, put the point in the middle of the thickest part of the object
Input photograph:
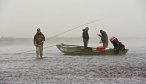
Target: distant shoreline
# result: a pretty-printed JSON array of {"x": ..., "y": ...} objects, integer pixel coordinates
[
  {"x": 7, "y": 41},
  {"x": 16, "y": 38}
]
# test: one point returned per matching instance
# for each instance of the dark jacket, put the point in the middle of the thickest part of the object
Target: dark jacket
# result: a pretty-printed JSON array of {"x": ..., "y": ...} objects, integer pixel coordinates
[
  {"x": 38, "y": 38},
  {"x": 104, "y": 37},
  {"x": 85, "y": 35}
]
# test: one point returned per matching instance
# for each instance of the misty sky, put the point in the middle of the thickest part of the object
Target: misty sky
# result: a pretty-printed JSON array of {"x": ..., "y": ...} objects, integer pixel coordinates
[{"x": 122, "y": 18}]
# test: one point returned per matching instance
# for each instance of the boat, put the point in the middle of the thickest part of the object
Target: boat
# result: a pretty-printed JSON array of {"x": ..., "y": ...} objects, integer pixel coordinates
[{"x": 80, "y": 50}]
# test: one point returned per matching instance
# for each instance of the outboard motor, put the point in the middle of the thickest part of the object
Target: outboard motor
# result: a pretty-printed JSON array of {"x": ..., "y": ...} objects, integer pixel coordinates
[{"x": 117, "y": 45}]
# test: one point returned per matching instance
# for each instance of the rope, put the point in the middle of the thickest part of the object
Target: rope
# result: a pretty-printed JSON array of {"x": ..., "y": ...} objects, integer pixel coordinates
[
  {"x": 71, "y": 29},
  {"x": 96, "y": 32},
  {"x": 34, "y": 50}
]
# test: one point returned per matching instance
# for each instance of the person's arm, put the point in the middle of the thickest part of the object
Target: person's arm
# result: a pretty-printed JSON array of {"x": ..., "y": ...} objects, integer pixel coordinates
[
  {"x": 34, "y": 40},
  {"x": 43, "y": 38},
  {"x": 99, "y": 35}
]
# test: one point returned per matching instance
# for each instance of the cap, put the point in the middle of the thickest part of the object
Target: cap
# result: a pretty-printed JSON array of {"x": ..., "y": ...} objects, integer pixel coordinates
[
  {"x": 87, "y": 28},
  {"x": 38, "y": 29},
  {"x": 101, "y": 31}
]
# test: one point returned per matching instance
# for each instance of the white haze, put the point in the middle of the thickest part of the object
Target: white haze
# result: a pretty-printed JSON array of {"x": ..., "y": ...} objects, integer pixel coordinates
[{"x": 123, "y": 18}]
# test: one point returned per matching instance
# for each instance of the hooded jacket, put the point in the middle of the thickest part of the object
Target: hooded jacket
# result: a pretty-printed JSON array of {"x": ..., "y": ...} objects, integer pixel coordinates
[
  {"x": 85, "y": 34},
  {"x": 38, "y": 38},
  {"x": 104, "y": 37}
]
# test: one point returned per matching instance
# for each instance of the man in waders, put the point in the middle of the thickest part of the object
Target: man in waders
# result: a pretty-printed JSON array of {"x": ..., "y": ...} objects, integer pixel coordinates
[
  {"x": 104, "y": 38},
  {"x": 38, "y": 41},
  {"x": 85, "y": 37}
]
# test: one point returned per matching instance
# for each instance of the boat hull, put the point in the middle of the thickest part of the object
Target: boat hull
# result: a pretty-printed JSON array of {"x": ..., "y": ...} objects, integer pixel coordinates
[{"x": 80, "y": 50}]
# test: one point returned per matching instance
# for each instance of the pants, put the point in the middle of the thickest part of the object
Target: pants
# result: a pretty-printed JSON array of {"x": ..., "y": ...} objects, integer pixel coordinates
[
  {"x": 105, "y": 44},
  {"x": 39, "y": 51},
  {"x": 85, "y": 43}
]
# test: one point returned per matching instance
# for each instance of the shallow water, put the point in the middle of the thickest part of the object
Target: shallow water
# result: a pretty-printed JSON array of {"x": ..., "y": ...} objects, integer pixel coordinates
[{"x": 20, "y": 67}]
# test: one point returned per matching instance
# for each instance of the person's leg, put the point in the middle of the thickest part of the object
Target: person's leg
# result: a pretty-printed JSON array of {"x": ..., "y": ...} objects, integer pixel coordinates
[
  {"x": 85, "y": 43},
  {"x": 105, "y": 44},
  {"x": 37, "y": 51},
  {"x": 41, "y": 51}
]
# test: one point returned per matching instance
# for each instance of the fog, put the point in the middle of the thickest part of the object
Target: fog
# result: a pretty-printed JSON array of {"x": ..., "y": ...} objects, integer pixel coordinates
[{"x": 121, "y": 18}]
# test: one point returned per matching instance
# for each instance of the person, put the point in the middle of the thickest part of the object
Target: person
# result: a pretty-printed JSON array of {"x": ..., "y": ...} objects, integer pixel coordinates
[
  {"x": 104, "y": 38},
  {"x": 117, "y": 45},
  {"x": 38, "y": 41},
  {"x": 85, "y": 37}
]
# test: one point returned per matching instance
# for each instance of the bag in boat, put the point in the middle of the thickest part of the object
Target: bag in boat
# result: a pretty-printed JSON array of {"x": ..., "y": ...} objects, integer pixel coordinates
[{"x": 99, "y": 48}]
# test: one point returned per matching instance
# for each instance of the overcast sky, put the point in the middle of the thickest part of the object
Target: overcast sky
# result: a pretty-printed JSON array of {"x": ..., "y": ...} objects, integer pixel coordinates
[{"x": 122, "y": 18}]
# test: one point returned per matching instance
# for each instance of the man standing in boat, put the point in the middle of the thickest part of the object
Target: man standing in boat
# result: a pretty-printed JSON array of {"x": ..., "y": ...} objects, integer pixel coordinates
[
  {"x": 85, "y": 37},
  {"x": 38, "y": 41},
  {"x": 104, "y": 38}
]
